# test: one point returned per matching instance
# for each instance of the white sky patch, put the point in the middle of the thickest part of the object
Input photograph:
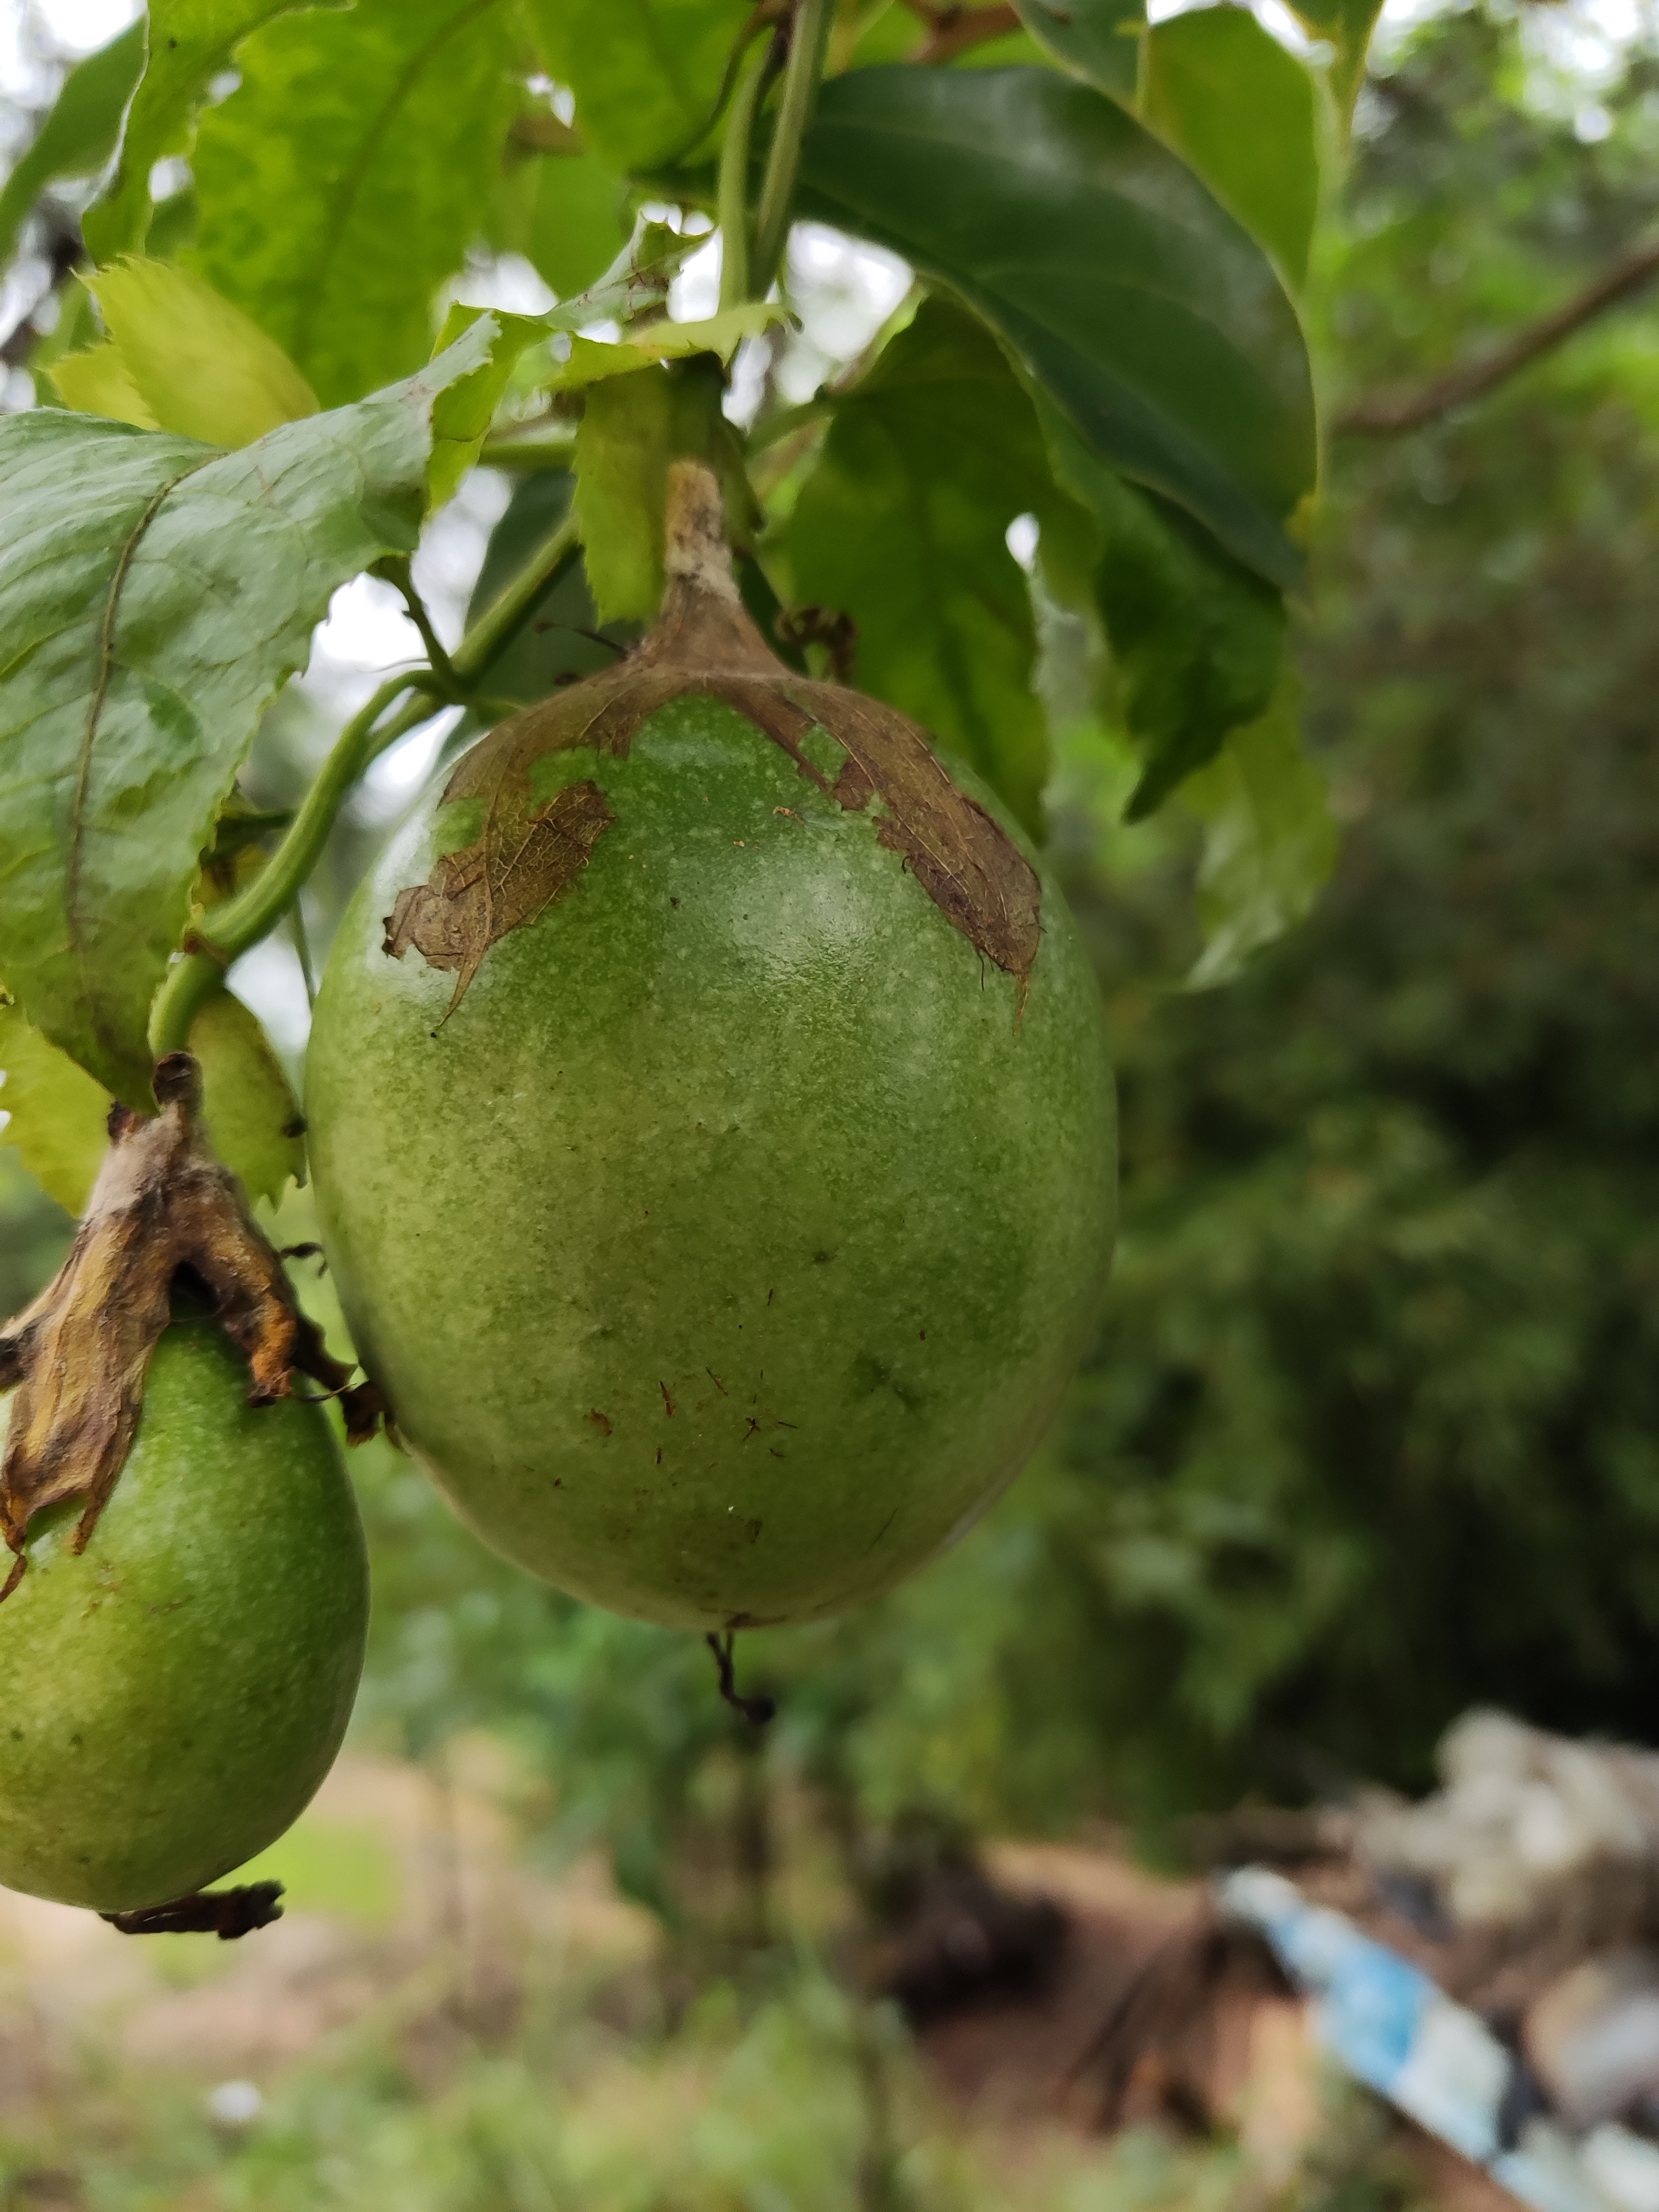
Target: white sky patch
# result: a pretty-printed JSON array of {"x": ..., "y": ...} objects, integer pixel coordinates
[{"x": 270, "y": 982}]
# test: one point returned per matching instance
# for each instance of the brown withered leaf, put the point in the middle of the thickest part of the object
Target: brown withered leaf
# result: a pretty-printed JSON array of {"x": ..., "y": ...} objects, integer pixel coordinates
[
  {"x": 79, "y": 1355},
  {"x": 704, "y": 642}
]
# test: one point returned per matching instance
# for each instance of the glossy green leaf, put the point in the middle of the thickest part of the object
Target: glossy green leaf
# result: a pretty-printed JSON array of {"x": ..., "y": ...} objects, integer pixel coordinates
[
  {"x": 190, "y": 42},
  {"x": 1196, "y": 638},
  {"x": 340, "y": 185},
  {"x": 80, "y": 134},
  {"x": 57, "y": 1113},
  {"x": 253, "y": 1119},
  {"x": 1244, "y": 113},
  {"x": 1270, "y": 844},
  {"x": 646, "y": 74},
  {"x": 632, "y": 428},
  {"x": 565, "y": 213},
  {"x": 1347, "y": 26},
  {"x": 197, "y": 364},
  {"x": 1099, "y": 39},
  {"x": 903, "y": 523},
  {"x": 153, "y": 594},
  {"x": 1128, "y": 292}
]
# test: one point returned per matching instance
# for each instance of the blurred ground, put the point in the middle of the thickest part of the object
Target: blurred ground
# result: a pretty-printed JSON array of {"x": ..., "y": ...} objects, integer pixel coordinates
[{"x": 435, "y": 2024}]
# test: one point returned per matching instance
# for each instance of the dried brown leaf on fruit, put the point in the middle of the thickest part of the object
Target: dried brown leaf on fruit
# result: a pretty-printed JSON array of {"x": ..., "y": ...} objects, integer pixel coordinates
[
  {"x": 528, "y": 854},
  {"x": 162, "y": 1207}
]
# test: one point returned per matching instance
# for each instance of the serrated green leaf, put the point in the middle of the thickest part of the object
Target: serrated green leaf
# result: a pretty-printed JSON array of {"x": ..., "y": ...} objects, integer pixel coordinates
[
  {"x": 1270, "y": 844},
  {"x": 197, "y": 364},
  {"x": 1196, "y": 638},
  {"x": 1244, "y": 113},
  {"x": 646, "y": 73},
  {"x": 465, "y": 411},
  {"x": 1125, "y": 290},
  {"x": 903, "y": 523},
  {"x": 190, "y": 42},
  {"x": 565, "y": 213},
  {"x": 253, "y": 1119},
  {"x": 1347, "y": 26},
  {"x": 593, "y": 360},
  {"x": 80, "y": 134},
  {"x": 637, "y": 280},
  {"x": 153, "y": 594},
  {"x": 98, "y": 382},
  {"x": 57, "y": 1112},
  {"x": 1099, "y": 39},
  {"x": 632, "y": 428},
  {"x": 340, "y": 184}
]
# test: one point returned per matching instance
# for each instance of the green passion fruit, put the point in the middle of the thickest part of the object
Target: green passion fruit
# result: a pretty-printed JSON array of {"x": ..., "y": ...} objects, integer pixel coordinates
[
  {"x": 173, "y": 1695},
  {"x": 722, "y": 1195}
]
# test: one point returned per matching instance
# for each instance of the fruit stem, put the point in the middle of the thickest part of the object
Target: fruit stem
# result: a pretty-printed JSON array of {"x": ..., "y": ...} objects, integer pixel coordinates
[
  {"x": 809, "y": 43},
  {"x": 241, "y": 922}
]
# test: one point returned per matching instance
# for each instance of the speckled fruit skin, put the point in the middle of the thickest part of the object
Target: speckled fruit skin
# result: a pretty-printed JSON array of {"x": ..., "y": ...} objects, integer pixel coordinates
[
  {"x": 170, "y": 1700},
  {"x": 727, "y": 1250}
]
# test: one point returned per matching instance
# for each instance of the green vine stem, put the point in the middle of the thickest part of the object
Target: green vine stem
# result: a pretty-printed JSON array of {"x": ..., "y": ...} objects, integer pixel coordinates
[
  {"x": 809, "y": 44},
  {"x": 732, "y": 202},
  {"x": 230, "y": 929}
]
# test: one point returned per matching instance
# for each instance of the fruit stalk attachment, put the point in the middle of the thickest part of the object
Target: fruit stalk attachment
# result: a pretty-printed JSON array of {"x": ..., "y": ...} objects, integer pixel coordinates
[
  {"x": 532, "y": 852},
  {"x": 760, "y": 1710},
  {"x": 162, "y": 1208},
  {"x": 225, "y": 1913}
]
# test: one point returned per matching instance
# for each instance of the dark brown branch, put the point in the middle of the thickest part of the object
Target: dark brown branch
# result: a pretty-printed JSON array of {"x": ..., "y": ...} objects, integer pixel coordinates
[
  {"x": 1387, "y": 412},
  {"x": 956, "y": 29}
]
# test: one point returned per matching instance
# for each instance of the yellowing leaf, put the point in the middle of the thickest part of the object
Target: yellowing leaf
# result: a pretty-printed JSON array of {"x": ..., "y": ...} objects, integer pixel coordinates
[
  {"x": 57, "y": 1112},
  {"x": 253, "y": 1118},
  {"x": 201, "y": 366},
  {"x": 98, "y": 382},
  {"x": 1270, "y": 844}
]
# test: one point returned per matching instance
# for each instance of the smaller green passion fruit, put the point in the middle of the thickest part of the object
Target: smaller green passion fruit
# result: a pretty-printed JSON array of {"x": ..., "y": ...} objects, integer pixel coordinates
[{"x": 172, "y": 1696}]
